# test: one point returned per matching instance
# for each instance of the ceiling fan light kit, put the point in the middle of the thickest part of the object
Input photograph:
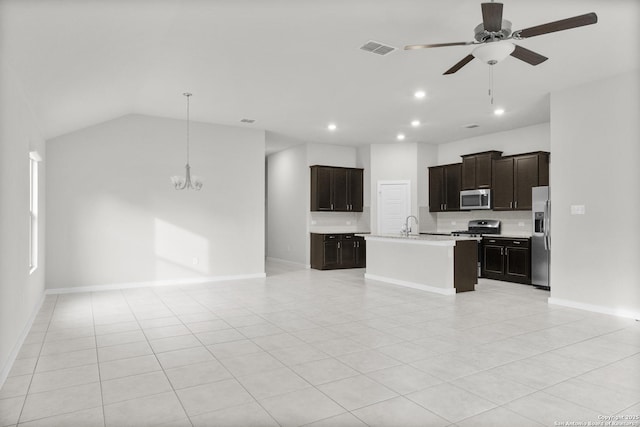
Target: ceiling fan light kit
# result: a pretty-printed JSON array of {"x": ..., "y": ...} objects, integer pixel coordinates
[{"x": 494, "y": 52}]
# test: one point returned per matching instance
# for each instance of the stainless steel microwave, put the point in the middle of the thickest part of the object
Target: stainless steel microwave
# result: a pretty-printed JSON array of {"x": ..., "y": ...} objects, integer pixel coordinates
[{"x": 475, "y": 199}]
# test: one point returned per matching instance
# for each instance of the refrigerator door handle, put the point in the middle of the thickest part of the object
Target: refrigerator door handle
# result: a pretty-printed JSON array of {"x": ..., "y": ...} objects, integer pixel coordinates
[{"x": 547, "y": 213}]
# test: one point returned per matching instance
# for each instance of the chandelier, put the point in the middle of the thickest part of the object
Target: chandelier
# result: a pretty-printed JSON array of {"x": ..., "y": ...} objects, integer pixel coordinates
[{"x": 187, "y": 181}]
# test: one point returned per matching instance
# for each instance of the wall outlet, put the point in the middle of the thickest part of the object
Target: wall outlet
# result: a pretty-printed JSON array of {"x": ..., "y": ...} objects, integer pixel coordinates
[
  {"x": 520, "y": 224},
  {"x": 195, "y": 260},
  {"x": 313, "y": 222},
  {"x": 348, "y": 222},
  {"x": 578, "y": 210},
  {"x": 453, "y": 223}
]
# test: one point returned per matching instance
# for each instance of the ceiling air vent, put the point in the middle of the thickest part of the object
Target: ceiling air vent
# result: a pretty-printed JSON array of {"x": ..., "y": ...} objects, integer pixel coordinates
[
  {"x": 247, "y": 121},
  {"x": 471, "y": 126},
  {"x": 375, "y": 47}
]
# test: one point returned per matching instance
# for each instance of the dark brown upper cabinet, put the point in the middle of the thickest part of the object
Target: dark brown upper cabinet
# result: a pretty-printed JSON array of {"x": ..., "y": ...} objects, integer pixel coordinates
[
  {"x": 335, "y": 189},
  {"x": 513, "y": 178},
  {"x": 444, "y": 187},
  {"x": 477, "y": 169}
]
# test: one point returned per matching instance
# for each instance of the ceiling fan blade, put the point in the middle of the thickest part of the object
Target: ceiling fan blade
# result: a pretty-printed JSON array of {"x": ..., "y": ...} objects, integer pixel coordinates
[
  {"x": 528, "y": 56},
  {"x": 492, "y": 16},
  {"x": 426, "y": 46},
  {"x": 552, "y": 27},
  {"x": 460, "y": 64}
]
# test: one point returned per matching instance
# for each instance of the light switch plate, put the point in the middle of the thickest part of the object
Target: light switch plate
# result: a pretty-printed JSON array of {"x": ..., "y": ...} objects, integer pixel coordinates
[{"x": 577, "y": 210}]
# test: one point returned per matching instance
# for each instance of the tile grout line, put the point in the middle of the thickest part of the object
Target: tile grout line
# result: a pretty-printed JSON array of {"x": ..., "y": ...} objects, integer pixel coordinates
[
  {"x": 157, "y": 360},
  {"x": 33, "y": 372},
  {"x": 93, "y": 317}
]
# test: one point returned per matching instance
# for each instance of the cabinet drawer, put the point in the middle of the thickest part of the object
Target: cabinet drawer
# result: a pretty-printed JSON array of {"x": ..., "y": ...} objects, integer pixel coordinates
[
  {"x": 517, "y": 243},
  {"x": 493, "y": 241},
  {"x": 341, "y": 236},
  {"x": 505, "y": 241},
  {"x": 332, "y": 237}
]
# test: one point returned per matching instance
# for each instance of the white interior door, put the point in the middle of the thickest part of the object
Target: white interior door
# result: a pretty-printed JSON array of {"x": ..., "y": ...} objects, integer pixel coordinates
[{"x": 394, "y": 205}]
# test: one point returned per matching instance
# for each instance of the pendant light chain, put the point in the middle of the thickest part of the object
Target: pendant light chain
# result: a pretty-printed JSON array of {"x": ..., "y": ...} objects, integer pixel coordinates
[
  {"x": 188, "y": 95},
  {"x": 187, "y": 182}
]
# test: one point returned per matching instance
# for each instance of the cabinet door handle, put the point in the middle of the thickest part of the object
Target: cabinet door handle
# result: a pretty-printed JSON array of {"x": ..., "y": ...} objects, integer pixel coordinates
[
  {"x": 510, "y": 205},
  {"x": 501, "y": 251},
  {"x": 516, "y": 243},
  {"x": 516, "y": 204},
  {"x": 331, "y": 206},
  {"x": 338, "y": 245}
]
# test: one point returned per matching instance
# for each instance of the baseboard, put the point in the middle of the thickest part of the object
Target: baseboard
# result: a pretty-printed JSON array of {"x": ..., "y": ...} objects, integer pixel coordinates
[
  {"x": 595, "y": 308},
  {"x": 154, "y": 283},
  {"x": 413, "y": 285},
  {"x": 286, "y": 261},
  {"x": 4, "y": 373}
]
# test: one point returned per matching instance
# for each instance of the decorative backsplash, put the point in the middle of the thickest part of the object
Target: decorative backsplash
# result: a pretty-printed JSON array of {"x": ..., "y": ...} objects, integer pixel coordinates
[
  {"x": 340, "y": 222},
  {"x": 512, "y": 222}
]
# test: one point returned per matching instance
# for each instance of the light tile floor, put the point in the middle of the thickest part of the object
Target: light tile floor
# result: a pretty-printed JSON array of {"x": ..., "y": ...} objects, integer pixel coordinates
[{"x": 304, "y": 347}]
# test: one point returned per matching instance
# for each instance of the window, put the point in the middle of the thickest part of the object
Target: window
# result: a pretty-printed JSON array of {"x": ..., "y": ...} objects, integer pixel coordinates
[{"x": 34, "y": 158}]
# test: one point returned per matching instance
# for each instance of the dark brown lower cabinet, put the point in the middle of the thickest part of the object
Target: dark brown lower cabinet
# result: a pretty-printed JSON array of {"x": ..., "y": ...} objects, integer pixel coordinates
[
  {"x": 465, "y": 265},
  {"x": 333, "y": 251},
  {"x": 506, "y": 259}
]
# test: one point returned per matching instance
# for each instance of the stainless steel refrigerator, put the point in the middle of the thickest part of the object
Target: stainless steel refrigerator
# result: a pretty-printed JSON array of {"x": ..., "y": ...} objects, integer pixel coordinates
[{"x": 541, "y": 238}]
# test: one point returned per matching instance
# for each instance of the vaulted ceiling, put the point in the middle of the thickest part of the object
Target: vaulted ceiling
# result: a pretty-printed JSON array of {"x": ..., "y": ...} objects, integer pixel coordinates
[{"x": 295, "y": 65}]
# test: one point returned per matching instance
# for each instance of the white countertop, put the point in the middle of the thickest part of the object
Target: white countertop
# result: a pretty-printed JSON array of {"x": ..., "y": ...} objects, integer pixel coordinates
[{"x": 425, "y": 239}]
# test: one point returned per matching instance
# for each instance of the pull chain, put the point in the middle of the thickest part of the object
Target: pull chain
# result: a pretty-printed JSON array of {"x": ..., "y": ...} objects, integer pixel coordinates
[{"x": 491, "y": 90}]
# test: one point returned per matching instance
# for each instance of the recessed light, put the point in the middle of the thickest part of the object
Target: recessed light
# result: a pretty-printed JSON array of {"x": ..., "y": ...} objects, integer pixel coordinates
[
  {"x": 415, "y": 123},
  {"x": 400, "y": 137},
  {"x": 420, "y": 94},
  {"x": 332, "y": 126},
  {"x": 498, "y": 111}
]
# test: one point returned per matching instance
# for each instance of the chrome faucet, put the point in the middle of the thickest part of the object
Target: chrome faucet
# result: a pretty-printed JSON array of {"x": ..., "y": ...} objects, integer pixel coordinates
[{"x": 407, "y": 224}]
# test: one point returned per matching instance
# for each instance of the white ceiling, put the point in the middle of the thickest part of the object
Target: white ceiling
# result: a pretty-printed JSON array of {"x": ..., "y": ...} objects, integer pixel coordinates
[{"x": 295, "y": 65}]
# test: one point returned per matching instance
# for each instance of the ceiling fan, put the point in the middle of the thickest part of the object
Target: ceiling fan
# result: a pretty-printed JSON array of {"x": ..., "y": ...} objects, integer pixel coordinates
[{"x": 492, "y": 35}]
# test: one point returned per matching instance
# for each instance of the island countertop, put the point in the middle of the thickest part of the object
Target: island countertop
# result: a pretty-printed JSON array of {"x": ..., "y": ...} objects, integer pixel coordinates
[{"x": 424, "y": 239}]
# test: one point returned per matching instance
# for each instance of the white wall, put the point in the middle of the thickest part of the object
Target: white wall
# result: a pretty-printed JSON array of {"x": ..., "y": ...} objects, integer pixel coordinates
[
  {"x": 114, "y": 217},
  {"x": 515, "y": 141},
  {"x": 20, "y": 293},
  {"x": 595, "y": 143},
  {"x": 391, "y": 162},
  {"x": 288, "y": 204}
]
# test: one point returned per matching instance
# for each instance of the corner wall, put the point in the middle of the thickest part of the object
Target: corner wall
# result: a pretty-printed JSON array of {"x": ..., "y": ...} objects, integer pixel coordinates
[
  {"x": 21, "y": 293},
  {"x": 115, "y": 219},
  {"x": 287, "y": 204},
  {"x": 595, "y": 134}
]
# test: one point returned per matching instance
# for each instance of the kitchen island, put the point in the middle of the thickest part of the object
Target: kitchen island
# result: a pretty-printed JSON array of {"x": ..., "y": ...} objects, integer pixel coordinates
[{"x": 441, "y": 264}]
